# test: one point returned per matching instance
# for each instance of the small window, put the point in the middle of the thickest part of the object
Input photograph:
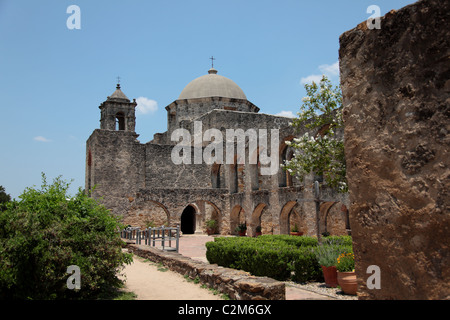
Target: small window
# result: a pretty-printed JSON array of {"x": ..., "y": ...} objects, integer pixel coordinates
[{"x": 120, "y": 121}]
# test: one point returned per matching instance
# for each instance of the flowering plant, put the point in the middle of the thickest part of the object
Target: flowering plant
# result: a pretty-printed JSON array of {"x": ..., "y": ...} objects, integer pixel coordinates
[
  {"x": 323, "y": 153},
  {"x": 345, "y": 262}
]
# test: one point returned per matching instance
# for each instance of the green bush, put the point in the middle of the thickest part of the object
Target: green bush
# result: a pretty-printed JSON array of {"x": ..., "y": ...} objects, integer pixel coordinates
[
  {"x": 305, "y": 266},
  {"x": 275, "y": 256},
  {"x": 45, "y": 232}
]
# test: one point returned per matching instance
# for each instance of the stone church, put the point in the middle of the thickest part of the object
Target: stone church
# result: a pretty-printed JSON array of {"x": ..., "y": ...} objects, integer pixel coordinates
[{"x": 141, "y": 183}]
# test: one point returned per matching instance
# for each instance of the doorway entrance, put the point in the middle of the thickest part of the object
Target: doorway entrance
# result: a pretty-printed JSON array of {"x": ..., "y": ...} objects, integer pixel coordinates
[{"x": 188, "y": 220}]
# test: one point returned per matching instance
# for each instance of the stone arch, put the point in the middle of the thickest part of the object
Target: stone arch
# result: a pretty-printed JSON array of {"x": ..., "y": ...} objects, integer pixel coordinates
[
  {"x": 217, "y": 176},
  {"x": 292, "y": 214},
  {"x": 120, "y": 121},
  {"x": 212, "y": 212},
  {"x": 147, "y": 213},
  {"x": 237, "y": 217},
  {"x": 285, "y": 153},
  {"x": 188, "y": 219},
  {"x": 204, "y": 210},
  {"x": 334, "y": 218},
  {"x": 236, "y": 178},
  {"x": 261, "y": 217}
]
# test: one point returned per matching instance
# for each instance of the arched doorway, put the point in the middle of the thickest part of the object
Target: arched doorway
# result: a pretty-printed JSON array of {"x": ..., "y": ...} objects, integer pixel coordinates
[
  {"x": 291, "y": 215},
  {"x": 188, "y": 220},
  {"x": 334, "y": 218},
  {"x": 237, "y": 217},
  {"x": 261, "y": 217}
]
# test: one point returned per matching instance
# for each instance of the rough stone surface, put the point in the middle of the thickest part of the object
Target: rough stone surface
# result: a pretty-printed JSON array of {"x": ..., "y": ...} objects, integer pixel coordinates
[
  {"x": 396, "y": 86},
  {"x": 239, "y": 285}
]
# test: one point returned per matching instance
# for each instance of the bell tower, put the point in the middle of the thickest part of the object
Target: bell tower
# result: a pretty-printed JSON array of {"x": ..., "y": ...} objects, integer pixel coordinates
[{"x": 117, "y": 112}]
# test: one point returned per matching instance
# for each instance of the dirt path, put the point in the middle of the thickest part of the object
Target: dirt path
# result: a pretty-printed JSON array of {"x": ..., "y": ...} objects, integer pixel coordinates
[{"x": 151, "y": 282}]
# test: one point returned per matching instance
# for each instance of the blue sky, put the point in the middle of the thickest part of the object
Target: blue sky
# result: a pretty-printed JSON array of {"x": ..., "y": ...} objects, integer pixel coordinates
[{"x": 52, "y": 79}]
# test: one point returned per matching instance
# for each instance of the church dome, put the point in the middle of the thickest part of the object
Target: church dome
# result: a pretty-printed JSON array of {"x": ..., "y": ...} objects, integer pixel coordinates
[{"x": 212, "y": 85}]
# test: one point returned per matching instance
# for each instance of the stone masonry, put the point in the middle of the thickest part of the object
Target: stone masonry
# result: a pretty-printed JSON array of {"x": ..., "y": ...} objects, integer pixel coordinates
[{"x": 396, "y": 94}]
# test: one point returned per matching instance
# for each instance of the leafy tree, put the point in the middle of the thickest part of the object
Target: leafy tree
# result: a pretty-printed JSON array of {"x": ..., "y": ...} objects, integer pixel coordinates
[
  {"x": 4, "y": 197},
  {"x": 45, "y": 232},
  {"x": 323, "y": 153}
]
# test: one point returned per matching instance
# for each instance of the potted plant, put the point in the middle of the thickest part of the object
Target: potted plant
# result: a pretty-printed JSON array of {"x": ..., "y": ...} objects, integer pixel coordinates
[
  {"x": 345, "y": 265},
  {"x": 211, "y": 227},
  {"x": 327, "y": 258},
  {"x": 258, "y": 231},
  {"x": 241, "y": 229},
  {"x": 295, "y": 231}
]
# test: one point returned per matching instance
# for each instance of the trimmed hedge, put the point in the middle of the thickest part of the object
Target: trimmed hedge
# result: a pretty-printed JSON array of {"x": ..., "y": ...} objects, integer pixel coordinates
[{"x": 276, "y": 256}]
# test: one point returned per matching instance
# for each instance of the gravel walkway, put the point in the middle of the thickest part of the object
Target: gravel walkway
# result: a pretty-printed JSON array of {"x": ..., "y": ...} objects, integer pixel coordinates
[{"x": 321, "y": 288}]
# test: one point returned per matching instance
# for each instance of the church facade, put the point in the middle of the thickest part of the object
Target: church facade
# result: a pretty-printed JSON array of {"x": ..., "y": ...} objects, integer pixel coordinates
[{"x": 143, "y": 184}]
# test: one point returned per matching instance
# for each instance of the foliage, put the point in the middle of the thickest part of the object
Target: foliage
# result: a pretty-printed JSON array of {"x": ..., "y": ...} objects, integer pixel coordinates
[
  {"x": 277, "y": 256},
  {"x": 345, "y": 262},
  {"x": 4, "y": 198},
  {"x": 45, "y": 232},
  {"x": 241, "y": 227},
  {"x": 322, "y": 154},
  {"x": 328, "y": 252},
  {"x": 211, "y": 224}
]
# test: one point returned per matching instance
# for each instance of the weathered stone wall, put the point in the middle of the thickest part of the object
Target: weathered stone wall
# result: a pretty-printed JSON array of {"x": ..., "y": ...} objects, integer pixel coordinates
[
  {"x": 396, "y": 93},
  {"x": 162, "y": 172},
  {"x": 115, "y": 167},
  {"x": 191, "y": 109}
]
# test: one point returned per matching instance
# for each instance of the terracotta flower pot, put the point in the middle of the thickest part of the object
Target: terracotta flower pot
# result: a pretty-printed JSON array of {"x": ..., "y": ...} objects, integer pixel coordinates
[
  {"x": 330, "y": 276},
  {"x": 297, "y": 233},
  {"x": 347, "y": 282}
]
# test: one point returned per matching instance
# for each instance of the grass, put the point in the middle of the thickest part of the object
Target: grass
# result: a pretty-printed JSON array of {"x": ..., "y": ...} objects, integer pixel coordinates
[{"x": 215, "y": 292}]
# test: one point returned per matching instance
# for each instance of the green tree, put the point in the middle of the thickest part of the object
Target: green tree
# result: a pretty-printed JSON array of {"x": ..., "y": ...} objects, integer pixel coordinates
[
  {"x": 4, "y": 197},
  {"x": 322, "y": 154},
  {"x": 45, "y": 231}
]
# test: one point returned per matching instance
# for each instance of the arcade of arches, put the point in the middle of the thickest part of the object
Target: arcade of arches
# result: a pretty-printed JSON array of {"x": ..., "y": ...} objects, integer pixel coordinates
[{"x": 192, "y": 218}]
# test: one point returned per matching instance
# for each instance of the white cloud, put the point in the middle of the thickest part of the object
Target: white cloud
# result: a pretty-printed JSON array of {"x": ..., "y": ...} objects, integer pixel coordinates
[
  {"x": 330, "y": 70},
  {"x": 287, "y": 114},
  {"x": 145, "y": 105},
  {"x": 41, "y": 139},
  {"x": 309, "y": 79}
]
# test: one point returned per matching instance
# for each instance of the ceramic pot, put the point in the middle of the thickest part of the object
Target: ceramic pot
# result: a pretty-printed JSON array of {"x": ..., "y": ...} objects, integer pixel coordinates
[
  {"x": 347, "y": 282},
  {"x": 330, "y": 276},
  {"x": 296, "y": 233}
]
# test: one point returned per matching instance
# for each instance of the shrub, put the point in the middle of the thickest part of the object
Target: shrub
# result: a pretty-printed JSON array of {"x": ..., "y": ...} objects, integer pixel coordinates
[
  {"x": 45, "y": 232},
  {"x": 305, "y": 266},
  {"x": 275, "y": 256},
  {"x": 328, "y": 252}
]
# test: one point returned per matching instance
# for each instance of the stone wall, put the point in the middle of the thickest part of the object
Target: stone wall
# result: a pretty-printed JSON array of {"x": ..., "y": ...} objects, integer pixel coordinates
[
  {"x": 237, "y": 284},
  {"x": 191, "y": 109},
  {"x": 115, "y": 162},
  {"x": 396, "y": 85},
  {"x": 162, "y": 172}
]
